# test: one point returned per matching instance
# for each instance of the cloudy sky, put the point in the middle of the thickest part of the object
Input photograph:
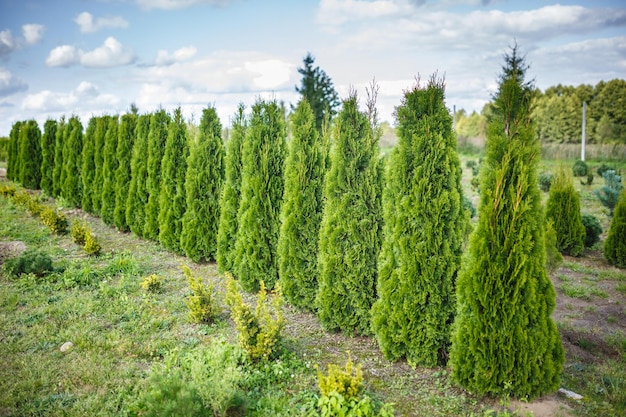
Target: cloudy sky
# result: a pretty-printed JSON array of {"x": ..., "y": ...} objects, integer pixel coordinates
[{"x": 91, "y": 57}]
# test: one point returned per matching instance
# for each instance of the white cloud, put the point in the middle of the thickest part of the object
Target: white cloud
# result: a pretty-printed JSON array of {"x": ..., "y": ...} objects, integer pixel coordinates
[
  {"x": 33, "y": 33},
  {"x": 338, "y": 12},
  {"x": 111, "y": 54},
  {"x": 10, "y": 84},
  {"x": 179, "y": 55},
  {"x": 64, "y": 56},
  {"x": 88, "y": 24},
  {"x": 84, "y": 99},
  {"x": 177, "y": 4},
  {"x": 7, "y": 43},
  {"x": 269, "y": 74}
]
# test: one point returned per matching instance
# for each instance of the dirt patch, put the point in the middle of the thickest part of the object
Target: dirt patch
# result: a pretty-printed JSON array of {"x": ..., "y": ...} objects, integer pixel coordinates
[
  {"x": 11, "y": 249},
  {"x": 548, "y": 406},
  {"x": 3, "y": 173}
]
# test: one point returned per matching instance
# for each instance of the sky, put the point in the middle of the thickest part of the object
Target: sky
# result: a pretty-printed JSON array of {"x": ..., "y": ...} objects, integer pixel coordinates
[{"x": 95, "y": 57}]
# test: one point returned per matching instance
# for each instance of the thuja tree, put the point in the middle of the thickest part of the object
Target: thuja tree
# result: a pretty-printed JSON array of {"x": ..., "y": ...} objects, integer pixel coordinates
[
  {"x": 424, "y": 229},
  {"x": 137, "y": 191},
  {"x": 13, "y": 164},
  {"x": 615, "y": 244},
  {"x": 123, "y": 154},
  {"x": 88, "y": 165},
  {"x": 262, "y": 182},
  {"x": 504, "y": 342},
  {"x": 157, "y": 136},
  {"x": 172, "y": 196},
  {"x": 350, "y": 232},
  {"x": 203, "y": 187},
  {"x": 48, "y": 140},
  {"x": 109, "y": 167},
  {"x": 301, "y": 210},
  {"x": 30, "y": 155},
  {"x": 102, "y": 124},
  {"x": 563, "y": 210},
  {"x": 231, "y": 191},
  {"x": 72, "y": 186},
  {"x": 58, "y": 158}
]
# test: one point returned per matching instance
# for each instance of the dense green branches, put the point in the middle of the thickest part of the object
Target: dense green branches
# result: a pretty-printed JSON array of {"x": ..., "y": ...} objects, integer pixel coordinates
[
  {"x": 317, "y": 88},
  {"x": 72, "y": 185},
  {"x": 615, "y": 244},
  {"x": 157, "y": 136},
  {"x": 88, "y": 167},
  {"x": 102, "y": 124},
  {"x": 563, "y": 210},
  {"x": 48, "y": 140},
  {"x": 58, "y": 158},
  {"x": 13, "y": 152},
  {"x": 29, "y": 155},
  {"x": 109, "y": 167},
  {"x": 123, "y": 154},
  {"x": 137, "y": 190}
]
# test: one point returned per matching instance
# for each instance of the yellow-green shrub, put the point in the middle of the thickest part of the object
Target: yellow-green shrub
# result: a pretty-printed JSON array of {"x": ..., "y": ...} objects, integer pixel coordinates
[
  {"x": 348, "y": 382},
  {"x": 92, "y": 246},
  {"x": 153, "y": 283},
  {"x": 55, "y": 221},
  {"x": 203, "y": 307},
  {"x": 7, "y": 190},
  {"x": 79, "y": 231}
]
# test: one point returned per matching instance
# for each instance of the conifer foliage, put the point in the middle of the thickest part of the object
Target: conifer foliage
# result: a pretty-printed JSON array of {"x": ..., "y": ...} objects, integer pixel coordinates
[
  {"x": 102, "y": 125},
  {"x": 72, "y": 185},
  {"x": 48, "y": 140},
  {"x": 88, "y": 167},
  {"x": 203, "y": 186},
  {"x": 13, "y": 152},
  {"x": 504, "y": 342},
  {"x": 258, "y": 218},
  {"x": 615, "y": 244},
  {"x": 563, "y": 210},
  {"x": 109, "y": 167},
  {"x": 30, "y": 155},
  {"x": 424, "y": 224},
  {"x": 58, "y": 158},
  {"x": 157, "y": 136},
  {"x": 123, "y": 154},
  {"x": 302, "y": 210},
  {"x": 137, "y": 191},
  {"x": 350, "y": 232}
]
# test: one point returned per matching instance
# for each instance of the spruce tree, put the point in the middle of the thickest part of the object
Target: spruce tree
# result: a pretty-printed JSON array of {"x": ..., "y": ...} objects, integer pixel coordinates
[
  {"x": 317, "y": 89},
  {"x": 157, "y": 136},
  {"x": 504, "y": 342},
  {"x": 258, "y": 218},
  {"x": 58, "y": 158},
  {"x": 203, "y": 187},
  {"x": 231, "y": 192},
  {"x": 424, "y": 229},
  {"x": 301, "y": 210},
  {"x": 615, "y": 244},
  {"x": 172, "y": 196},
  {"x": 109, "y": 167},
  {"x": 88, "y": 165},
  {"x": 72, "y": 184},
  {"x": 102, "y": 124},
  {"x": 48, "y": 140},
  {"x": 124, "y": 152},
  {"x": 563, "y": 210},
  {"x": 30, "y": 155},
  {"x": 137, "y": 191},
  {"x": 350, "y": 232}
]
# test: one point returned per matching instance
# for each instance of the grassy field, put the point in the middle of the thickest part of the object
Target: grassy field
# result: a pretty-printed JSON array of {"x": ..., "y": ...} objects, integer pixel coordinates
[{"x": 136, "y": 352}]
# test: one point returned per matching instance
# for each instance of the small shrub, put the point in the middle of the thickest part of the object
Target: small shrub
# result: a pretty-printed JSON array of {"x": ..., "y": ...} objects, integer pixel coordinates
[
  {"x": 593, "y": 230},
  {"x": 55, "y": 221},
  {"x": 21, "y": 198},
  {"x": 615, "y": 244},
  {"x": 545, "y": 181},
  {"x": 30, "y": 262},
  {"x": 153, "y": 283},
  {"x": 467, "y": 205},
  {"x": 603, "y": 168},
  {"x": 123, "y": 263},
  {"x": 609, "y": 193},
  {"x": 553, "y": 257},
  {"x": 92, "y": 246},
  {"x": 7, "y": 190},
  {"x": 580, "y": 168},
  {"x": 79, "y": 231},
  {"x": 589, "y": 180},
  {"x": 475, "y": 183},
  {"x": 348, "y": 382},
  {"x": 203, "y": 307}
]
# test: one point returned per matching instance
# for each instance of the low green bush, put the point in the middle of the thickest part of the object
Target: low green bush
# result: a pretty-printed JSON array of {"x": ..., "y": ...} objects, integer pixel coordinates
[
  {"x": 32, "y": 261},
  {"x": 202, "y": 303},
  {"x": 153, "y": 283},
  {"x": 545, "y": 181},
  {"x": 580, "y": 168},
  {"x": 593, "y": 229},
  {"x": 55, "y": 221}
]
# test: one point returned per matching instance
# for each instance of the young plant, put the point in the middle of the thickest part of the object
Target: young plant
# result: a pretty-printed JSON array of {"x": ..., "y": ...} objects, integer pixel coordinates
[
  {"x": 79, "y": 231},
  {"x": 153, "y": 283},
  {"x": 615, "y": 244},
  {"x": 30, "y": 262},
  {"x": 203, "y": 307},
  {"x": 92, "y": 246},
  {"x": 609, "y": 193},
  {"x": 55, "y": 221},
  {"x": 348, "y": 382}
]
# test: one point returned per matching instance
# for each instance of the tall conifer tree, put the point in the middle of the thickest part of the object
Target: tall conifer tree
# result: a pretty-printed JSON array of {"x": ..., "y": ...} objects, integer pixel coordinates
[
  {"x": 157, "y": 136},
  {"x": 30, "y": 155},
  {"x": 48, "y": 140},
  {"x": 563, "y": 210},
  {"x": 123, "y": 154},
  {"x": 504, "y": 342},
  {"x": 88, "y": 167},
  {"x": 109, "y": 167},
  {"x": 137, "y": 191},
  {"x": 302, "y": 210},
  {"x": 13, "y": 152},
  {"x": 203, "y": 187},
  {"x": 102, "y": 124},
  {"x": 72, "y": 184},
  {"x": 615, "y": 244},
  {"x": 58, "y": 158}
]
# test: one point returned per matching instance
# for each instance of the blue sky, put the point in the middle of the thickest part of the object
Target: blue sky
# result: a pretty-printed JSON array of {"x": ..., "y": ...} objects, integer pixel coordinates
[{"x": 94, "y": 57}]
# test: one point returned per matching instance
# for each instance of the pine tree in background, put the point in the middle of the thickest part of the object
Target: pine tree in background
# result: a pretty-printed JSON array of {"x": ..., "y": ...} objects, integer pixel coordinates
[
  {"x": 258, "y": 218},
  {"x": 424, "y": 229},
  {"x": 30, "y": 155},
  {"x": 137, "y": 191},
  {"x": 109, "y": 167},
  {"x": 88, "y": 166},
  {"x": 58, "y": 158},
  {"x": 47, "y": 154},
  {"x": 563, "y": 210},
  {"x": 172, "y": 196},
  {"x": 203, "y": 187},
  {"x": 350, "y": 232},
  {"x": 13, "y": 163},
  {"x": 124, "y": 152},
  {"x": 102, "y": 124},
  {"x": 615, "y": 244},
  {"x": 317, "y": 89},
  {"x": 301, "y": 210},
  {"x": 504, "y": 342},
  {"x": 231, "y": 192},
  {"x": 72, "y": 184},
  {"x": 157, "y": 136}
]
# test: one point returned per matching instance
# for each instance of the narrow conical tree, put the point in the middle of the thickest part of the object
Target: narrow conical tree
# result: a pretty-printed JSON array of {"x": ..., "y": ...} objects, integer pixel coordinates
[
  {"x": 137, "y": 191},
  {"x": 203, "y": 187},
  {"x": 424, "y": 229},
  {"x": 504, "y": 342},
  {"x": 30, "y": 155},
  {"x": 172, "y": 197},
  {"x": 615, "y": 244},
  {"x": 123, "y": 154},
  {"x": 258, "y": 218},
  {"x": 157, "y": 136},
  {"x": 102, "y": 124},
  {"x": 302, "y": 210},
  {"x": 13, "y": 152},
  {"x": 88, "y": 165},
  {"x": 563, "y": 210},
  {"x": 58, "y": 158},
  {"x": 48, "y": 140},
  {"x": 350, "y": 232},
  {"x": 72, "y": 184},
  {"x": 109, "y": 167},
  {"x": 231, "y": 192}
]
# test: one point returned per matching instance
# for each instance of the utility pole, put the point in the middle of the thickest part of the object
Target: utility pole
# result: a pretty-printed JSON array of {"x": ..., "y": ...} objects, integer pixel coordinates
[{"x": 582, "y": 149}]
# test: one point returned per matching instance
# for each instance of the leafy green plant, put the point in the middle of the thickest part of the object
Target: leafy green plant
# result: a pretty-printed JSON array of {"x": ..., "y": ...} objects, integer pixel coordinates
[
  {"x": 545, "y": 181},
  {"x": 153, "y": 283},
  {"x": 593, "y": 229},
  {"x": 580, "y": 168},
  {"x": 348, "y": 382},
  {"x": 32, "y": 261},
  {"x": 92, "y": 245},
  {"x": 7, "y": 190},
  {"x": 203, "y": 307},
  {"x": 55, "y": 221},
  {"x": 79, "y": 231}
]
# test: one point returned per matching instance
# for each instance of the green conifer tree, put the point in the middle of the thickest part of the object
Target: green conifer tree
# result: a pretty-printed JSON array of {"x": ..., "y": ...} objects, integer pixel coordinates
[
  {"x": 231, "y": 192},
  {"x": 424, "y": 229},
  {"x": 88, "y": 166},
  {"x": 157, "y": 136},
  {"x": 109, "y": 167},
  {"x": 30, "y": 155},
  {"x": 203, "y": 187},
  {"x": 102, "y": 124},
  {"x": 258, "y": 218},
  {"x": 58, "y": 158},
  {"x": 72, "y": 183},
  {"x": 351, "y": 228},
  {"x": 563, "y": 210},
  {"x": 172, "y": 196},
  {"x": 615, "y": 244},
  {"x": 137, "y": 191},
  {"x": 48, "y": 140},
  {"x": 124, "y": 152},
  {"x": 504, "y": 342},
  {"x": 302, "y": 210},
  {"x": 13, "y": 152}
]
